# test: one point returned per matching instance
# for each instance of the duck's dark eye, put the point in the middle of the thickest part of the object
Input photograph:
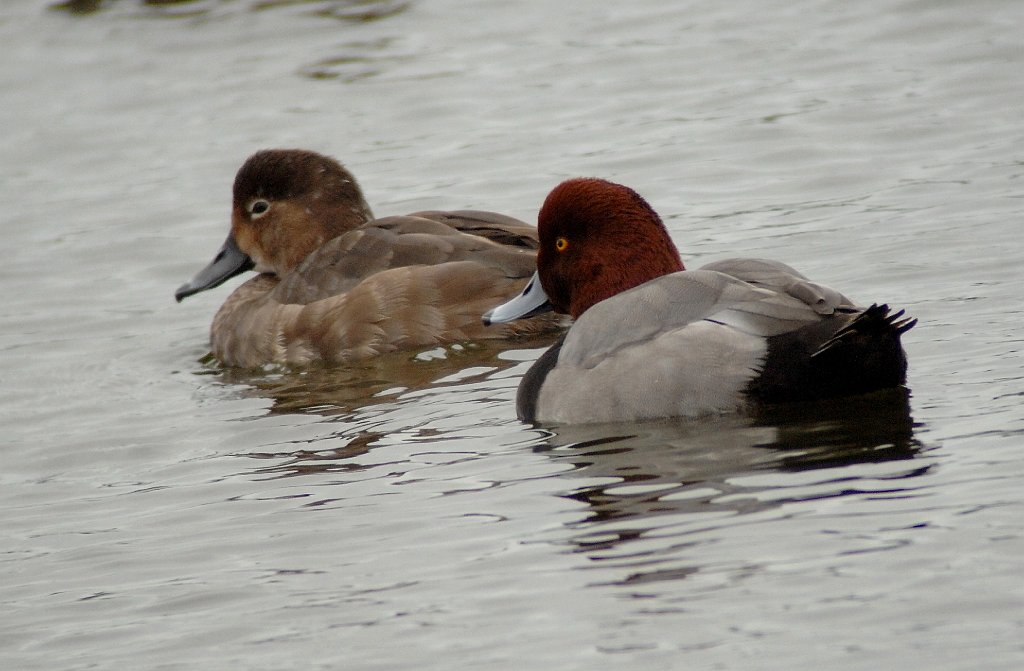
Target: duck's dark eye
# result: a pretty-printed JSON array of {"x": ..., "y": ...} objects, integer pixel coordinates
[{"x": 258, "y": 207}]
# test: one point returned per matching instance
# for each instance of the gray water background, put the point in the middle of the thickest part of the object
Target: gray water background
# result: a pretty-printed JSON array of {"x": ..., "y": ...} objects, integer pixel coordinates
[{"x": 160, "y": 513}]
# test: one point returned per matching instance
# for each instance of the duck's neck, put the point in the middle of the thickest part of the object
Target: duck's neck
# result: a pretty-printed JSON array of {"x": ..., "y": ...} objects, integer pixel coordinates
[
  {"x": 634, "y": 259},
  {"x": 337, "y": 219}
]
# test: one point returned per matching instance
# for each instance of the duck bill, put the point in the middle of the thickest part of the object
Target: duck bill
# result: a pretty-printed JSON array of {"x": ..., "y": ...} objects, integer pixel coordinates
[
  {"x": 228, "y": 262},
  {"x": 532, "y": 301}
]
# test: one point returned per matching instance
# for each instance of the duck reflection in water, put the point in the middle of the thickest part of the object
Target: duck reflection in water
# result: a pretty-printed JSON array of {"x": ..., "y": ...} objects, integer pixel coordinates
[{"x": 698, "y": 472}]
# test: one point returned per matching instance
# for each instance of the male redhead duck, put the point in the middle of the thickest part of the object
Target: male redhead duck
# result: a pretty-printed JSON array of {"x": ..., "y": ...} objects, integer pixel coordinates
[
  {"x": 652, "y": 339},
  {"x": 337, "y": 285}
]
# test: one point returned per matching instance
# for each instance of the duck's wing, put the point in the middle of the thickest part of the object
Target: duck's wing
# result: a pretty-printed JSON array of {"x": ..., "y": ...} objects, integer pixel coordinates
[
  {"x": 494, "y": 243},
  {"x": 499, "y": 228},
  {"x": 778, "y": 277},
  {"x": 674, "y": 301}
]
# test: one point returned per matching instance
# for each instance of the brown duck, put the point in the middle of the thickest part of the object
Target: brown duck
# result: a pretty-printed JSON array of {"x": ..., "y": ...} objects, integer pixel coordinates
[{"x": 337, "y": 285}]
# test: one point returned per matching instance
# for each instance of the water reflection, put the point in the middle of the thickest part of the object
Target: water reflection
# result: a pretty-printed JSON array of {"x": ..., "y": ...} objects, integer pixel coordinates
[
  {"x": 355, "y": 57},
  {"x": 162, "y": 7},
  {"x": 693, "y": 475},
  {"x": 319, "y": 461},
  {"x": 676, "y": 466},
  {"x": 362, "y": 11},
  {"x": 340, "y": 391},
  {"x": 357, "y": 11},
  {"x": 360, "y": 60}
]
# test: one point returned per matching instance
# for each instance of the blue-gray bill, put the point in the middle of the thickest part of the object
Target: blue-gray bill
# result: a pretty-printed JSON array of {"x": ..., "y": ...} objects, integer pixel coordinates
[
  {"x": 530, "y": 302},
  {"x": 229, "y": 261}
]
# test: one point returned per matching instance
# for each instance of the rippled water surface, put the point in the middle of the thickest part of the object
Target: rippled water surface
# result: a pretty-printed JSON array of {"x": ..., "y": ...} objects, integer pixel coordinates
[{"x": 162, "y": 513}]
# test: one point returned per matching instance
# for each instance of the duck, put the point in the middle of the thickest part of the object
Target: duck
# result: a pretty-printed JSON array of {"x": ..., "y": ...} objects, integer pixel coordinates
[
  {"x": 336, "y": 285},
  {"x": 651, "y": 339}
]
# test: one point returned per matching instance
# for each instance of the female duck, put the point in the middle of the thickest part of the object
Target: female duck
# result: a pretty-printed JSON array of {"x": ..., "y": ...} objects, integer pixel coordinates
[
  {"x": 654, "y": 340},
  {"x": 337, "y": 285}
]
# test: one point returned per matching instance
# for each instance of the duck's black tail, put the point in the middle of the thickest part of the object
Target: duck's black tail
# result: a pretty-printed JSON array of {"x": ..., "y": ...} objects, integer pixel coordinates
[
  {"x": 863, "y": 354},
  {"x": 869, "y": 326}
]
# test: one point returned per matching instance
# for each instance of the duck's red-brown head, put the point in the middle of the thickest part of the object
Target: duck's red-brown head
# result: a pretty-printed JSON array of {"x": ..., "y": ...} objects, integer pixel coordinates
[{"x": 597, "y": 239}]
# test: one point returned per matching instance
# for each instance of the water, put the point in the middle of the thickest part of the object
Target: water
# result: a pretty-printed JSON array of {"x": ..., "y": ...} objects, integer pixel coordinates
[{"x": 161, "y": 513}]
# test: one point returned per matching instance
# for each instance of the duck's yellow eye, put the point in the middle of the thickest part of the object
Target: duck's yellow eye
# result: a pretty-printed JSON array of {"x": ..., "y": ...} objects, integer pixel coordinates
[{"x": 561, "y": 244}]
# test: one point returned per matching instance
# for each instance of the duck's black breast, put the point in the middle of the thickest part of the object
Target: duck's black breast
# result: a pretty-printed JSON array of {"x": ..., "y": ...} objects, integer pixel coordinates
[{"x": 529, "y": 387}]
